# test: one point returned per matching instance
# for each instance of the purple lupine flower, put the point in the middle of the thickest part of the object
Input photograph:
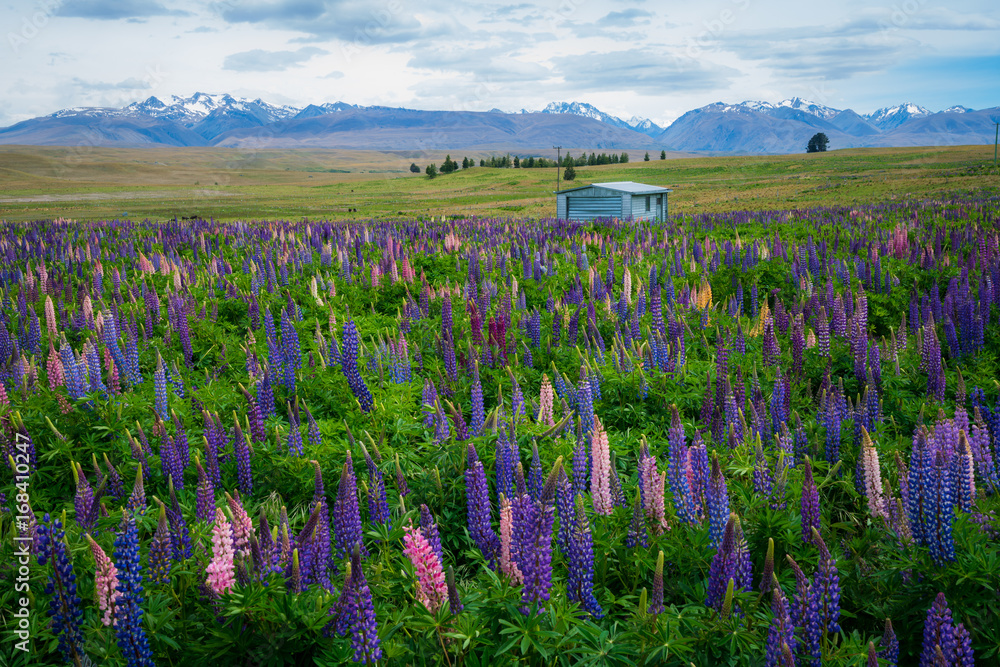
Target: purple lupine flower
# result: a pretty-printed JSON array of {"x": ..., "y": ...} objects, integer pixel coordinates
[
  {"x": 205, "y": 502},
  {"x": 638, "y": 534},
  {"x": 720, "y": 571},
  {"x": 676, "y": 468},
  {"x": 805, "y": 615},
  {"x": 294, "y": 442},
  {"x": 428, "y": 403},
  {"x": 130, "y": 632},
  {"x": 763, "y": 480},
  {"x": 401, "y": 485},
  {"x": 940, "y": 634},
  {"x": 827, "y": 581},
  {"x": 291, "y": 351},
  {"x": 478, "y": 508},
  {"x": 160, "y": 550},
  {"x": 810, "y": 504},
  {"x": 781, "y": 634},
  {"x": 349, "y": 365},
  {"x": 580, "y": 548},
  {"x": 180, "y": 539},
  {"x": 265, "y": 395},
  {"x": 889, "y": 645},
  {"x": 429, "y": 527},
  {"x": 454, "y": 600},
  {"x": 244, "y": 472},
  {"x": 940, "y": 510},
  {"x": 535, "y": 474},
  {"x": 354, "y": 613},
  {"x": 378, "y": 507},
  {"x": 533, "y": 532},
  {"x": 181, "y": 447},
  {"x": 656, "y": 604},
  {"x": 64, "y": 603},
  {"x": 346, "y": 513},
  {"x": 254, "y": 416},
  {"x": 717, "y": 500},
  {"x": 478, "y": 411}
]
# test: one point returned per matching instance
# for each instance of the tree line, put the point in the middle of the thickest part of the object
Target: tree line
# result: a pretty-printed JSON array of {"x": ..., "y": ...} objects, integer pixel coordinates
[{"x": 531, "y": 162}]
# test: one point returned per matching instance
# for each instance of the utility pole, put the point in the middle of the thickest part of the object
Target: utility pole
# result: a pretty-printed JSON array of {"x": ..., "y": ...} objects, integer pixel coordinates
[{"x": 558, "y": 161}]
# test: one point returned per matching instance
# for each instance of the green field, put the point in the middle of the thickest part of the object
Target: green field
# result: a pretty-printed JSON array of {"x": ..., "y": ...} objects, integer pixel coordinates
[{"x": 160, "y": 183}]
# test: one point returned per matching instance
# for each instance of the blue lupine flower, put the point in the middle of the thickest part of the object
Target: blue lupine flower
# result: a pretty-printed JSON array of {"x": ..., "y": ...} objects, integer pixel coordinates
[
  {"x": 130, "y": 633},
  {"x": 64, "y": 602}
]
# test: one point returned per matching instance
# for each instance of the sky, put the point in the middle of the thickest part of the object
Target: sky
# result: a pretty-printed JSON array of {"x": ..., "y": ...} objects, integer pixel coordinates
[{"x": 633, "y": 58}]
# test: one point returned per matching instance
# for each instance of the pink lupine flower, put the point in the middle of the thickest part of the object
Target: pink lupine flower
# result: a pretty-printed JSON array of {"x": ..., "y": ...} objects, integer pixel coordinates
[
  {"x": 600, "y": 472},
  {"x": 873, "y": 476},
  {"x": 242, "y": 524},
  {"x": 105, "y": 583},
  {"x": 432, "y": 590},
  {"x": 545, "y": 399},
  {"x": 507, "y": 564},
  {"x": 50, "y": 318},
  {"x": 221, "y": 569},
  {"x": 54, "y": 367}
]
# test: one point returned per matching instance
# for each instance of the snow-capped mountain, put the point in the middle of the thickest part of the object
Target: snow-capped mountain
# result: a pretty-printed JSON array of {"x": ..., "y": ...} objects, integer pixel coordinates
[
  {"x": 637, "y": 123},
  {"x": 888, "y": 118},
  {"x": 752, "y": 126}
]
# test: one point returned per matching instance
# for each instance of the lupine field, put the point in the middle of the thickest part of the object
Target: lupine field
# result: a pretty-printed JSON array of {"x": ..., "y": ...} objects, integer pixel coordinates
[{"x": 752, "y": 438}]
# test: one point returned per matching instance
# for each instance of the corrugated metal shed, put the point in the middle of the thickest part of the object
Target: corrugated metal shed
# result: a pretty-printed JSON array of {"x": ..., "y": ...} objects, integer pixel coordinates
[{"x": 620, "y": 199}]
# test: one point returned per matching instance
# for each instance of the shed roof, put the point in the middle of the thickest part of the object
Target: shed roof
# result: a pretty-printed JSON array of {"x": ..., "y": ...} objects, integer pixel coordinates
[{"x": 623, "y": 186}]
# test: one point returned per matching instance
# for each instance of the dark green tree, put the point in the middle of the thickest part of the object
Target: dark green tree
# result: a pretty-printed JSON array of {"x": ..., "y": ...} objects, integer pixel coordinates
[
  {"x": 818, "y": 143},
  {"x": 465, "y": 163},
  {"x": 431, "y": 170},
  {"x": 517, "y": 162},
  {"x": 663, "y": 155},
  {"x": 646, "y": 158},
  {"x": 414, "y": 168},
  {"x": 624, "y": 158},
  {"x": 449, "y": 165},
  {"x": 482, "y": 162},
  {"x": 570, "y": 173}
]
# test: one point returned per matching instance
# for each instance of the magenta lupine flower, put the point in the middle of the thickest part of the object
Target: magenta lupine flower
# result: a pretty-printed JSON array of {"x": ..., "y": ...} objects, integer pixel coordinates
[
  {"x": 432, "y": 591},
  {"x": 105, "y": 583},
  {"x": 651, "y": 485},
  {"x": 872, "y": 477},
  {"x": 221, "y": 570},
  {"x": 600, "y": 472}
]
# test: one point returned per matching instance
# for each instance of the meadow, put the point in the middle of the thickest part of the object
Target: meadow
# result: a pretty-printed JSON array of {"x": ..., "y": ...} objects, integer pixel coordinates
[
  {"x": 765, "y": 431},
  {"x": 87, "y": 183}
]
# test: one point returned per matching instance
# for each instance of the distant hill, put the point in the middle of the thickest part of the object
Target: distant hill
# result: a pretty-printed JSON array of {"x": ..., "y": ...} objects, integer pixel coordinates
[{"x": 746, "y": 128}]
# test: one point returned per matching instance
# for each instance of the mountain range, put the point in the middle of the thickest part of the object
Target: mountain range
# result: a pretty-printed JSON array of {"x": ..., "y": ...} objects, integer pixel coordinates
[{"x": 751, "y": 127}]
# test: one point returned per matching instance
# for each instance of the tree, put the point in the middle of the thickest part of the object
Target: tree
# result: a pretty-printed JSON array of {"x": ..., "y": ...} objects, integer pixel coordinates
[
  {"x": 663, "y": 155},
  {"x": 818, "y": 143},
  {"x": 646, "y": 159},
  {"x": 414, "y": 169},
  {"x": 570, "y": 173},
  {"x": 517, "y": 162},
  {"x": 465, "y": 163},
  {"x": 431, "y": 170},
  {"x": 448, "y": 165},
  {"x": 482, "y": 162},
  {"x": 624, "y": 158}
]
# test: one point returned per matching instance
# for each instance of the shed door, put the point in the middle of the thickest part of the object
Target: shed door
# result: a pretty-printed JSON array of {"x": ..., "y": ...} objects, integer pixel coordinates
[{"x": 588, "y": 208}]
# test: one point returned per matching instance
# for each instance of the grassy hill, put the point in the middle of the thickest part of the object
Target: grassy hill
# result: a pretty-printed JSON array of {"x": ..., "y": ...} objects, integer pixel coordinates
[{"x": 85, "y": 183}]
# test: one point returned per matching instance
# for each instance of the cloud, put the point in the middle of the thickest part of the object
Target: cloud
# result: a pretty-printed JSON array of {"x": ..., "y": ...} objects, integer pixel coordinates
[
  {"x": 259, "y": 60},
  {"x": 111, "y": 10},
  {"x": 642, "y": 71},
  {"x": 355, "y": 21},
  {"x": 129, "y": 84},
  {"x": 334, "y": 75},
  {"x": 625, "y": 19},
  {"x": 488, "y": 64}
]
